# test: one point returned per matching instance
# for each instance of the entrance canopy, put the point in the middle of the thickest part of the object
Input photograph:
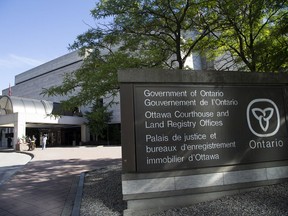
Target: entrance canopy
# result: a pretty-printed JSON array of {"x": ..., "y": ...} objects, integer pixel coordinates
[
  {"x": 19, "y": 113},
  {"x": 9, "y": 105}
]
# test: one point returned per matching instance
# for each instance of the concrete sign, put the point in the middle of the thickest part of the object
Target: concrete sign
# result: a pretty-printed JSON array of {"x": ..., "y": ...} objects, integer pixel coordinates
[{"x": 192, "y": 126}]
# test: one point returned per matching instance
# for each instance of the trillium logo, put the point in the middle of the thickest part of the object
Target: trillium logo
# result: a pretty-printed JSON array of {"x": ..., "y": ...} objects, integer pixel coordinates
[{"x": 263, "y": 117}]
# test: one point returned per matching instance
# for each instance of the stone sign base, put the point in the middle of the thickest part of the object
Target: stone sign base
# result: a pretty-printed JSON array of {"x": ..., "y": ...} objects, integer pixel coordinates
[{"x": 152, "y": 192}]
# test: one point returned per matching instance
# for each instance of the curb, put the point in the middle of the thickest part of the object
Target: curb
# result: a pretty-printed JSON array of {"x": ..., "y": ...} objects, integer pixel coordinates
[
  {"x": 27, "y": 153},
  {"x": 78, "y": 197}
]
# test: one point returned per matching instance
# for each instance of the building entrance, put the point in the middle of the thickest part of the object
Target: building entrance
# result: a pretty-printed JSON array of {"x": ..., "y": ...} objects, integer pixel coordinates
[{"x": 56, "y": 136}]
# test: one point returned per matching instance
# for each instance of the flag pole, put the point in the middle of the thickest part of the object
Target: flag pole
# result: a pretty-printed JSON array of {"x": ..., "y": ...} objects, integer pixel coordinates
[{"x": 10, "y": 91}]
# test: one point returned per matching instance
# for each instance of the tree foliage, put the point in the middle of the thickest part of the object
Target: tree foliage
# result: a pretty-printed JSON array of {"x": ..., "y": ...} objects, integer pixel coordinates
[
  {"x": 133, "y": 34},
  {"x": 98, "y": 119},
  {"x": 253, "y": 32},
  {"x": 160, "y": 33}
]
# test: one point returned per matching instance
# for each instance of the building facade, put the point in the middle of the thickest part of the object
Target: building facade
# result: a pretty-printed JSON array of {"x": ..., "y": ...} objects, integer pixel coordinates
[{"x": 25, "y": 112}]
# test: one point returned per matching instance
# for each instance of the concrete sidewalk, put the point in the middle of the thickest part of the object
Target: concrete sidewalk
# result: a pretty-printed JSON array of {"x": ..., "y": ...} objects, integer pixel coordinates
[
  {"x": 46, "y": 186},
  {"x": 10, "y": 163}
]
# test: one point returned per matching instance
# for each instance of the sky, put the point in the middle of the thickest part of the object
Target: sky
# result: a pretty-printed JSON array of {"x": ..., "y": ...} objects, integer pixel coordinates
[{"x": 33, "y": 32}]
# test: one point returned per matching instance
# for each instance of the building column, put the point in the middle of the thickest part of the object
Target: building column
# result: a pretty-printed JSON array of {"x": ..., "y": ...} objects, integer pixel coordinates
[
  {"x": 3, "y": 139},
  {"x": 84, "y": 133},
  {"x": 19, "y": 128}
]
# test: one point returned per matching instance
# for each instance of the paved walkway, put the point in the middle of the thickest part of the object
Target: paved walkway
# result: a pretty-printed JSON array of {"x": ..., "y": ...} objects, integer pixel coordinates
[
  {"x": 10, "y": 163},
  {"x": 46, "y": 186}
]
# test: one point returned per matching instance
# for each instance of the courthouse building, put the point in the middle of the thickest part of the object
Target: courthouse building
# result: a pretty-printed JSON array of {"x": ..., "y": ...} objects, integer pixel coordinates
[{"x": 25, "y": 112}]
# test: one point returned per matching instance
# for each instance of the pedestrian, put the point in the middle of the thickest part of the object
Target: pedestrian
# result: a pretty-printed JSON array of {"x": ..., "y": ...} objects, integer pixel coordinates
[
  {"x": 28, "y": 141},
  {"x": 33, "y": 144},
  {"x": 44, "y": 140}
]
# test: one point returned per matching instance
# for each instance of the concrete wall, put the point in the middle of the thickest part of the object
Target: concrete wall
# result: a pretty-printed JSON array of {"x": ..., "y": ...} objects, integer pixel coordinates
[{"x": 31, "y": 83}]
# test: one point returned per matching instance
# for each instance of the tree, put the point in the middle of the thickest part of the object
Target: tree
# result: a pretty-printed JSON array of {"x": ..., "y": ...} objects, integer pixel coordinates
[
  {"x": 253, "y": 32},
  {"x": 164, "y": 33},
  {"x": 157, "y": 30},
  {"x": 135, "y": 34},
  {"x": 98, "y": 119}
]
